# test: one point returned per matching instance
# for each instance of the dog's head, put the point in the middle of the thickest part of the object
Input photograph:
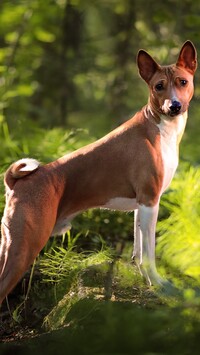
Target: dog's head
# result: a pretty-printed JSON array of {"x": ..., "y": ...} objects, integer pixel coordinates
[{"x": 171, "y": 87}]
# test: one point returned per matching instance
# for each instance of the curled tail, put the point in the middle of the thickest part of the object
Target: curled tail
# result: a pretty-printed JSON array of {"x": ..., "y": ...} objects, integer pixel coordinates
[{"x": 18, "y": 170}]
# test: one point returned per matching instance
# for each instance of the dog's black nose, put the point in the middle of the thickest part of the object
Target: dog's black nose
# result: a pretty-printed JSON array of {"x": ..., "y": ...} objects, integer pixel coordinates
[{"x": 175, "y": 107}]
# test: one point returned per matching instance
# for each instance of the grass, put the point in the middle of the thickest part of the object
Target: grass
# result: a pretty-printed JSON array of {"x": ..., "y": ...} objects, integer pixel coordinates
[
  {"x": 179, "y": 241},
  {"x": 133, "y": 319}
]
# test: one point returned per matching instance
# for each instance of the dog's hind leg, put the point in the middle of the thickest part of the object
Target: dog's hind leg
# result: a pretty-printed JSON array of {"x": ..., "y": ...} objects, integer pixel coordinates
[
  {"x": 21, "y": 241},
  {"x": 12, "y": 261}
]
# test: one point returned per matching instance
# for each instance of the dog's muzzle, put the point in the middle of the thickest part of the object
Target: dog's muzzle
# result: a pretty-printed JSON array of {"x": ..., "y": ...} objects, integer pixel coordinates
[
  {"x": 171, "y": 107},
  {"x": 175, "y": 108}
]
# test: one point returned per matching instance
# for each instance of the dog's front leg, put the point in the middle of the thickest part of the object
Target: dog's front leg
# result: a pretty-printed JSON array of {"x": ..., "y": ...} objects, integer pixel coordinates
[
  {"x": 137, "y": 248},
  {"x": 146, "y": 222}
]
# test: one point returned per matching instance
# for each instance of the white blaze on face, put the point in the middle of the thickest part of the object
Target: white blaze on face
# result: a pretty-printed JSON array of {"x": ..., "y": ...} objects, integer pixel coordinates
[{"x": 166, "y": 106}]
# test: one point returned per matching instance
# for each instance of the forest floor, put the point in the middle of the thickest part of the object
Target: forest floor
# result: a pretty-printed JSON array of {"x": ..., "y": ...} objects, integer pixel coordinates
[{"x": 105, "y": 315}]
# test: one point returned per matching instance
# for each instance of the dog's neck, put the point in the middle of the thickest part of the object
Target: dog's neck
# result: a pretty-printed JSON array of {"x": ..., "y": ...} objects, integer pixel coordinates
[
  {"x": 152, "y": 113},
  {"x": 176, "y": 123}
]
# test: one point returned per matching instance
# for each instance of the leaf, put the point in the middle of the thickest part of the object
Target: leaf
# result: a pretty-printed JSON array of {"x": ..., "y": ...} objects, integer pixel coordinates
[{"x": 44, "y": 36}]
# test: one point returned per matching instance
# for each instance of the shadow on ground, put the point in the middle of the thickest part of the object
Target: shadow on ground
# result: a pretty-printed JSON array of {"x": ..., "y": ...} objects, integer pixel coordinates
[{"x": 107, "y": 327}]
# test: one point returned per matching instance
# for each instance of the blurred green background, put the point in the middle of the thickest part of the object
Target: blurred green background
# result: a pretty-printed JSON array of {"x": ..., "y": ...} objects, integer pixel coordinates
[
  {"x": 72, "y": 63},
  {"x": 68, "y": 75}
]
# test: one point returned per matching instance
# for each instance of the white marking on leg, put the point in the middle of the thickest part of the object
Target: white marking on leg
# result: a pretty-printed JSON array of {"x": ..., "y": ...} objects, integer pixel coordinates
[
  {"x": 148, "y": 218},
  {"x": 137, "y": 249}
]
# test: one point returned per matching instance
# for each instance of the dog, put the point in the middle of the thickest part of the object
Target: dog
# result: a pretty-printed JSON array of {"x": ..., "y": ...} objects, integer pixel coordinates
[{"x": 126, "y": 170}]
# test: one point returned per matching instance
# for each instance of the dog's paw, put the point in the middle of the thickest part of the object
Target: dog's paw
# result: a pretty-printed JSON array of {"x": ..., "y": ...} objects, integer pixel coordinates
[{"x": 167, "y": 288}]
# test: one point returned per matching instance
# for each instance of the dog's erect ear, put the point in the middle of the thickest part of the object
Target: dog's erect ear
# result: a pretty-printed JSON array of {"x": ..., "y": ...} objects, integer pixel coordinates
[
  {"x": 147, "y": 65},
  {"x": 188, "y": 57}
]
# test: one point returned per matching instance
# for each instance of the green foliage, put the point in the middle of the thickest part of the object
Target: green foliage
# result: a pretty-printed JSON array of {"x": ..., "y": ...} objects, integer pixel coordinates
[
  {"x": 65, "y": 265},
  {"x": 65, "y": 269},
  {"x": 113, "y": 225},
  {"x": 126, "y": 275},
  {"x": 179, "y": 241},
  {"x": 46, "y": 145}
]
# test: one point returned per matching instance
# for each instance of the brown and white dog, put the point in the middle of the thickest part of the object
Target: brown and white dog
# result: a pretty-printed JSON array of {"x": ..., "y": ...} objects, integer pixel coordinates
[{"x": 126, "y": 170}]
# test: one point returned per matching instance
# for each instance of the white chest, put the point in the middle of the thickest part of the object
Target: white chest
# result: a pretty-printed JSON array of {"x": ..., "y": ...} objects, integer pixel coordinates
[
  {"x": 170, "y": 132},
  {"x": 170, "y": 162}
]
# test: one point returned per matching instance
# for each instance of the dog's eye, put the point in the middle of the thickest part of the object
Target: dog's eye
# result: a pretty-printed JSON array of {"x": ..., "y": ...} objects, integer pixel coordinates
[
  {"x": 183, "y": 82},
  {"x": 159, "y": 87}
]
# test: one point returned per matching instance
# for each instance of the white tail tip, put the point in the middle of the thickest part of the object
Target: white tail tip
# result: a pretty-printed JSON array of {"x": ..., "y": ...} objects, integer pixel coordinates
[{"x": 28, "y": 164}]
